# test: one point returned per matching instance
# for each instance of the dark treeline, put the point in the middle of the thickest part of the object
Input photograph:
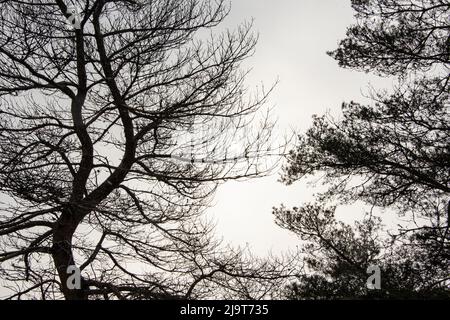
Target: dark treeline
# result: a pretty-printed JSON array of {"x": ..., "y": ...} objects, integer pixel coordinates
[{"x": 394, "y": 153}]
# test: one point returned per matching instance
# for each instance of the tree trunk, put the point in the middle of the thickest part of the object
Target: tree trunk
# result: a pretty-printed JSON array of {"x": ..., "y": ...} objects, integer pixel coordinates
[{"x": 62, "y": 253}]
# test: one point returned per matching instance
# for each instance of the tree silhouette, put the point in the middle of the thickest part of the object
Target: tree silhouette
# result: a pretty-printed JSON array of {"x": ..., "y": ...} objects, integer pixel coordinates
[
  {"x": 118, "y": 119},
  {"x": 394, "y": 153},
  {"x": 337, "y": 256}
]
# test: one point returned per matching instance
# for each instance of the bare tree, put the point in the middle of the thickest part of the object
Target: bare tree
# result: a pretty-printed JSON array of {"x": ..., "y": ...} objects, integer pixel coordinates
[{"x": 117, "y": 122}]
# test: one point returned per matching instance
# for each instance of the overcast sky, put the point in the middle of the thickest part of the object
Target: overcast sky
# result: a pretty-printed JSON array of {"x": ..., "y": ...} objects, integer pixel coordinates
[{"x": 294, "y": 36}]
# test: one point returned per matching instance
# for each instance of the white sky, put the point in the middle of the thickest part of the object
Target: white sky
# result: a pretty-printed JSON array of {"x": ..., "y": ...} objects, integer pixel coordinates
[{"x": 294, "y": 38}]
